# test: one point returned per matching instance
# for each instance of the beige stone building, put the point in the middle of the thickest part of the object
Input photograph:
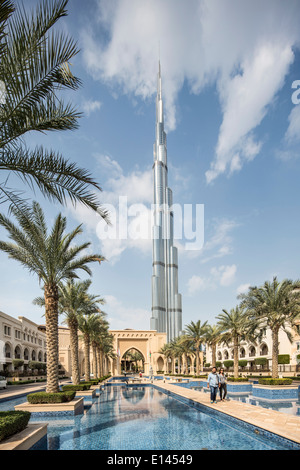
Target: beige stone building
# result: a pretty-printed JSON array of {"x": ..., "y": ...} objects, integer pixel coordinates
[
  {"x": 263, "y": 349},
  {"x": 146, "y": 342},
  {"x": 20, "y": 339}
]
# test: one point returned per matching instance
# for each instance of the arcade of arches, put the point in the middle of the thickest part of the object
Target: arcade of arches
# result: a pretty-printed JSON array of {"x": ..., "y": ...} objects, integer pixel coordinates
[{"x": 147, "y": 343}]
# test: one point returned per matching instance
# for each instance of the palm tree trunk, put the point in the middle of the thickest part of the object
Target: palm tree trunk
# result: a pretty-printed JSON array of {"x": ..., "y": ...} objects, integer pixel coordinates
[
  {"x": 87, "y": 357},
  {"x": 214, "y": 354},
  {"x": 275, "y": 351},
  {"x": 73, "y": 325},
  {"x": 197, "y": 360},
  {"x": 235, "y": 357},
  {"x": 95, "y": 365},
  {"x": 51, "y": 314},
  {"x": 101, "y": 363},
  {"x": 98, "y": 362}
]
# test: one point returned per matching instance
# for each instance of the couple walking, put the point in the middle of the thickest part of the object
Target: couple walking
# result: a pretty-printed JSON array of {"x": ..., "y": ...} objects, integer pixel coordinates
[{"x": 217, "y": 381}]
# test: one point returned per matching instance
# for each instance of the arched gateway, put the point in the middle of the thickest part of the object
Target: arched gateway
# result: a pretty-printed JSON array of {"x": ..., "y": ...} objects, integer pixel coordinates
[{"x": 147, "y": 342}]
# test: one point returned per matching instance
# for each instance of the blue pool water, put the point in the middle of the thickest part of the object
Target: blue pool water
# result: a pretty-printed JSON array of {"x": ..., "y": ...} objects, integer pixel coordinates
[{"x": 144, "y": 418}]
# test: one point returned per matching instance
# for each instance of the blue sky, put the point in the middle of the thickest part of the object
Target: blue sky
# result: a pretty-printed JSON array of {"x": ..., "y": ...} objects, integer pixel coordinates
[{"x": 233, "y": 134}]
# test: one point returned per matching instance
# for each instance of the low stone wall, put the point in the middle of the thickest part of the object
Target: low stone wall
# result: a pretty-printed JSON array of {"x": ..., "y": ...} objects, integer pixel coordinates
[
  {"x": 25, "y": 439},
  {"x": 71, "y": 408}
]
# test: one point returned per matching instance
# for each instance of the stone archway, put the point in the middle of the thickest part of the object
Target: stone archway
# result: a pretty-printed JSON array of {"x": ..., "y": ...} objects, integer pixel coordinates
[
  {"x": 133, "y": 360},
  {"x": 160, "y": 364},
  {"x": 147, "y": 342}
]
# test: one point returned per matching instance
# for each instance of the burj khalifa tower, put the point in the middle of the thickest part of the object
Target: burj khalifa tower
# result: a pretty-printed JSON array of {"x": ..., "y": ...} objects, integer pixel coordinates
[{"x": 166, "y": 301}]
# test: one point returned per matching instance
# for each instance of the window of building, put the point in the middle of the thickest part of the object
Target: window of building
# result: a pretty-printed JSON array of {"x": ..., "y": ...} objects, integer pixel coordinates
[
  {"x": 7, "y": 330},
  {"x": 17, "y": 334}
]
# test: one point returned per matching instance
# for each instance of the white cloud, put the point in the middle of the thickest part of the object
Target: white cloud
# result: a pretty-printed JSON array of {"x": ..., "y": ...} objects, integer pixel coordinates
[
  {"x": 109, "y": 166},
  {"x": 90, "y": 106},
  {"x": 128, "y": 199},
  {"x": 121, "y": 316},
  {"x": 243, "y": 48},
  {"x": 293, "y": 131},
  {"x": 246, "y": 98},
  {"x": 222, "y": 276},
  {"x": 196, "y": 284},
  {"x": 221, "y": 241},
  {"x": 242, "y": 289}
]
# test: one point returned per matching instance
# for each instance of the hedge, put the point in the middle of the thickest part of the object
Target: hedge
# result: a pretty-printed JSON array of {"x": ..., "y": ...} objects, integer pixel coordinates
[
  {"x": 237, "y": 379},
  {"x": 40, "y": 398},
  {"x": 76, "y": 388},
  {"x": 267, "y": 381},
  {"x": 89, "y": 382},
  {"x": 12, "y": 422},
  {"x": 260, "y": 361},
  {"x": 228, "y": 363},
  {"x": 284, "y": 359},
  {"x": 243, "y": 363}
]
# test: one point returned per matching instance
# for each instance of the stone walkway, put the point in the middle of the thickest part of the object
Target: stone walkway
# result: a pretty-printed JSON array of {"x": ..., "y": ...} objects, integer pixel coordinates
[
  {"x": 284, "y": 425},
  {"x": 13, "y": 391}
]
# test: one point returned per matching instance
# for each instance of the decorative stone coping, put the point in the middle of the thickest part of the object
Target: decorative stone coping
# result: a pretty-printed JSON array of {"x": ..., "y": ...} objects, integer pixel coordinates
[
  {"x": 86, "y": 393},
  {"x": 73, "y": 407},
  {"x": 25, "y": 439}
]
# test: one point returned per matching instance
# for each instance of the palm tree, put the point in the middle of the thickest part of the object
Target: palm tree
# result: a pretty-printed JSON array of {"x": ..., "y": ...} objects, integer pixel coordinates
[
  {"x": 234, "y": 326},
  {"x": 105, "y": 350},
  {"x": 187, "y": 347},
  {"x": 212, "y": 338},
  {"x": 135, "y": 356},
  {"x": 97, "y": 337},
  {"x": 34, "y": 68},
  {"x": 166, "y": 350},
  {"x": 176, "y": 353},
  {"x": 52, "y": 258},
  {"x": 87, "y": 325},
  {"x": 73, "y": 301},
  {"x": 275, "y": 305},
  {"x": 196, "y": 332}
]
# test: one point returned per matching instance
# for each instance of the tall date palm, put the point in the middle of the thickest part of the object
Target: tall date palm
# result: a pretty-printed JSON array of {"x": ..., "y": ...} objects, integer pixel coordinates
[
  {"x": 74, "y": 300},
  {"x": 275, "y": 305},
  {"x": 195, "y": 332},
  {"x": 88, "y": 325},
  {"x": 34, "y": 70},
  {"x": 53, "y": 258},
  {"x": 234, "y": 327}
]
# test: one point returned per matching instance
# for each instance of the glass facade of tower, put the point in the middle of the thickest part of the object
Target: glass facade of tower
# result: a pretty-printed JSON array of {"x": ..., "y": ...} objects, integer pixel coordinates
[{"x": 166, "y": 301}]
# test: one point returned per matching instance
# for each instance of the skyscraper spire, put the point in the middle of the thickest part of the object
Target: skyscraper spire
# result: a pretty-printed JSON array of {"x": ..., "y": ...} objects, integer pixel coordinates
[{"x": 166, "y": 301}]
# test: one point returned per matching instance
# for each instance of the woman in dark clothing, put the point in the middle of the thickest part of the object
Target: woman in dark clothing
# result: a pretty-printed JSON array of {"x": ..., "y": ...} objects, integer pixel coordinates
[{"x": 222, "y": 385}]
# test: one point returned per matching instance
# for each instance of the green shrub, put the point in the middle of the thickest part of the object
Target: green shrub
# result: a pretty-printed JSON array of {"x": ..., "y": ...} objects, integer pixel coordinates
[
  {"x": 12, "y": 422},
  {"x": 283, "y": 359},
  {"x": 228, "y": 364},
  {"x": 89, "y": 382},
  {"x": 40, "y": 398},
  {"x": 267, "y": 381},
  {"x": 17, "y": 363},
  {"x": 76, "y": 388},
  {"x": 104, "y": 378},
  {"x": 243, "y": 363},
  {"x": 237, "y": 379},
  {"x": 35, "y": 365},
  {"x": 260, "y": 361}
]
